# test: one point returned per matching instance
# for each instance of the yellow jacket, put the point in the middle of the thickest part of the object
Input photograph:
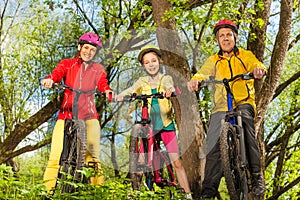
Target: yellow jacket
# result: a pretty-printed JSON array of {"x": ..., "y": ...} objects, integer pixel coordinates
[
  {"x": 223, "y": 67},
  {"x": 142, "y": 86}
]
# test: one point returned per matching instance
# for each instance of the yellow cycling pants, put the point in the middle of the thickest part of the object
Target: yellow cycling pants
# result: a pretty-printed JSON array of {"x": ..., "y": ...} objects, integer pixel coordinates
[{"x": 92, "y": 154}]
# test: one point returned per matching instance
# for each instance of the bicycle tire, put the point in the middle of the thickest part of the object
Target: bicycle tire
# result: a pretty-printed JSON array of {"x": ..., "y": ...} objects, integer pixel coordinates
[
  {"x": 235, "y": 177},
  {"x": 81, "y": 149},
  {"x": 73, "y": 156},
  {"x": 138, "y": 169}
]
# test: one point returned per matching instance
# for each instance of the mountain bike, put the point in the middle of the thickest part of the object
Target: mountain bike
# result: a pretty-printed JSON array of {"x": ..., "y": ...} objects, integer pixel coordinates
[
  {"x": 232, "y": 144},
  {"x": 72, "y": 160},
  {"x": 149, "y": 164}
]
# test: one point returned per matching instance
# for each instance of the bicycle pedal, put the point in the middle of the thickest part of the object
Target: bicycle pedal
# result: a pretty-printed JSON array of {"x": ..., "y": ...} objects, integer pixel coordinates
[
  {"x": 172, "y": 183},
  {"x": 157, "y": 180},
  {"x": 93, "y": 165},
  {"x": 162, "y": 182}
]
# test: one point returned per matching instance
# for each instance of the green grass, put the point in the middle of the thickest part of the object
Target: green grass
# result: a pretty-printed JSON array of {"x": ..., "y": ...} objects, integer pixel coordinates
[
  {"x": 29, "y": 188},
  {"x": 27, "y": 184}
]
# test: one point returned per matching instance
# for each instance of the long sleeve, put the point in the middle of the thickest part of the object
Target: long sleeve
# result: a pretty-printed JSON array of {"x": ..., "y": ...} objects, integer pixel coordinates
[
  {"x": 137, "y": 87},
  {"x": 206, "y": 70},
  {"x": 59, "y": 72},
  {"x": 102, "y": 84}
]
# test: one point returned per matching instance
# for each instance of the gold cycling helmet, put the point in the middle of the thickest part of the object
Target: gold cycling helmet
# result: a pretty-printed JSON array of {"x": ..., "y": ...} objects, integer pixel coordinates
[{"x": 147, "y": 49}]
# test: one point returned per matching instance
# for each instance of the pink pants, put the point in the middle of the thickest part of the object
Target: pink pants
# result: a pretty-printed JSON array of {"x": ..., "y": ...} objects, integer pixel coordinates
[{"x": 170, "y": 141}]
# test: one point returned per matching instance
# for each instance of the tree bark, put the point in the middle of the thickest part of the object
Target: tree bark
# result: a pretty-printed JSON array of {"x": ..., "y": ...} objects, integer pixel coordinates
[
  {"x": 190, "y": 130},
  {"x": 257, "y": 46},
  {"x": 264, "y": 97},
  {"x": 23, "y": 129}
]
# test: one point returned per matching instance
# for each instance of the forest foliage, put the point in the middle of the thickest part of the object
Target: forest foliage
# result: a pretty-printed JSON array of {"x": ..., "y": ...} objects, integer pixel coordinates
[{"x": 35, "y": 35}]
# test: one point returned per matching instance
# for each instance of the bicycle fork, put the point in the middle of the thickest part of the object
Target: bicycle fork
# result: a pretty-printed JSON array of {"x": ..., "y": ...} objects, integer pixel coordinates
[
  {"x": 145, "y": 149},
  {"x": 241, "y": 140},
  {"x": 243, "y": 158}
]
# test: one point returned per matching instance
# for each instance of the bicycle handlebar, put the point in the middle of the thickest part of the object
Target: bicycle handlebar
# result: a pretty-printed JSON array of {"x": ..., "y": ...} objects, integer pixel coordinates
[
  {"x": 134, "y": 96},
  {"x": 60, "y": 86},
  {"x": 246, "y": 76}
]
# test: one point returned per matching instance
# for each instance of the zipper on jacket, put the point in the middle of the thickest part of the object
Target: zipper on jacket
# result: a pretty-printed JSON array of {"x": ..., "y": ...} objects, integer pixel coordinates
[{"x": 230, "y": 68}]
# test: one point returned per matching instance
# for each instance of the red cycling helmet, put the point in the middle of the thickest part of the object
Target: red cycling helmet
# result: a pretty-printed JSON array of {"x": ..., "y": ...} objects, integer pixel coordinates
[
  {"x": 225, "y": 24},
  {"x": 90, "y": 38}
]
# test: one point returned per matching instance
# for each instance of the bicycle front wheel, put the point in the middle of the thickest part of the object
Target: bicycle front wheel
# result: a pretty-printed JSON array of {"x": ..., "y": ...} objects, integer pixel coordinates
[
  {"x": 235, "y": 176},
  {"x": 138, "y": 158},
  {"x": 73, "y": 156},
  {"x": 81, "y": 150}
]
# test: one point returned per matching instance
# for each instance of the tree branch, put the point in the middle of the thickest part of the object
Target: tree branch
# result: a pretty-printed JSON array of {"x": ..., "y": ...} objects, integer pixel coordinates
[
  {"x": 293, "y": 43},
  {"x": 23, "y": 129},
  {"x": 85, "y": 17},
  {"x": 285, "y": 84},
  {"x": 284, "y": 189},
  {"x": 27, "y": 148},
  {"x": 278, "y": 56}
]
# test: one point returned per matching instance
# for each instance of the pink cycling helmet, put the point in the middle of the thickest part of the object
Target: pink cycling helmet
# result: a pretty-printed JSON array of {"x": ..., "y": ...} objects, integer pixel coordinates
[{"x": 90, "y": 38}]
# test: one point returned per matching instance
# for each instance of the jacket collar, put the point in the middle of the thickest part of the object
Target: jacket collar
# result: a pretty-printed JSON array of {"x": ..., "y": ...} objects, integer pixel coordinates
[{"x": 235, "y": 51}]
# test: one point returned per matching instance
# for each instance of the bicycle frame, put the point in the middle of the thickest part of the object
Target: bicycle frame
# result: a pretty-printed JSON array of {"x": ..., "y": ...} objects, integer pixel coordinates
[
  {"x": 151, "y": 144},
  {"x": 232, "y": 116},
  {"x": 235, "y": 119},
  {"x": 77, "y": 92},
  {"x": 73, "y": 154}
]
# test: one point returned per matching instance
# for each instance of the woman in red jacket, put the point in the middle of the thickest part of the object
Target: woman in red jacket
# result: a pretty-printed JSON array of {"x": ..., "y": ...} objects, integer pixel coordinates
[{"x": 84, "y": 74}]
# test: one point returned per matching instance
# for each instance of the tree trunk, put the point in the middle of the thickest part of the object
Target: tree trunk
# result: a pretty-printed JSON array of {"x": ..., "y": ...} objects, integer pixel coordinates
[
  {"x": 265, "y": 96},
  {"x": 190, "y": 130},
  {"x": 258, "y": 48}
]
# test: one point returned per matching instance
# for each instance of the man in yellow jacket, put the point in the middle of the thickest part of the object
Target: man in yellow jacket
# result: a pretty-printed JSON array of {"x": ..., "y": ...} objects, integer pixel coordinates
[{"x": 228, "y": 62}]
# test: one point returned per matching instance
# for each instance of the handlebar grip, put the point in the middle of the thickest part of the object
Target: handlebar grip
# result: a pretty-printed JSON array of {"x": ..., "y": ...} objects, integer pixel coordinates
[
  {"x": 56, "y": 86},
  {"x": 174, "y": 94},
  {"x": 177, "y": 91},
  {"x": 202, "y": 84},
  {"x": 248, "y": 76},
  {"x": 130, "y": 97}
]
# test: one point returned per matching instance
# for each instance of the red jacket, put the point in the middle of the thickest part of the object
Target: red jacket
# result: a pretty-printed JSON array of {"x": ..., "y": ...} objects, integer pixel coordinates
[{"x": 74, "y": 75}]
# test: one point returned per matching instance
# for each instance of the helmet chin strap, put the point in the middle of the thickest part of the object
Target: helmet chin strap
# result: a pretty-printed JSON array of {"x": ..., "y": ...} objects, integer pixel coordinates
[
  {"x": 154, "y": 75},
  {"x": 228, "y": 52},
  {"x": 234, "y": 50},
  {"x": 87, "y": 62}
]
